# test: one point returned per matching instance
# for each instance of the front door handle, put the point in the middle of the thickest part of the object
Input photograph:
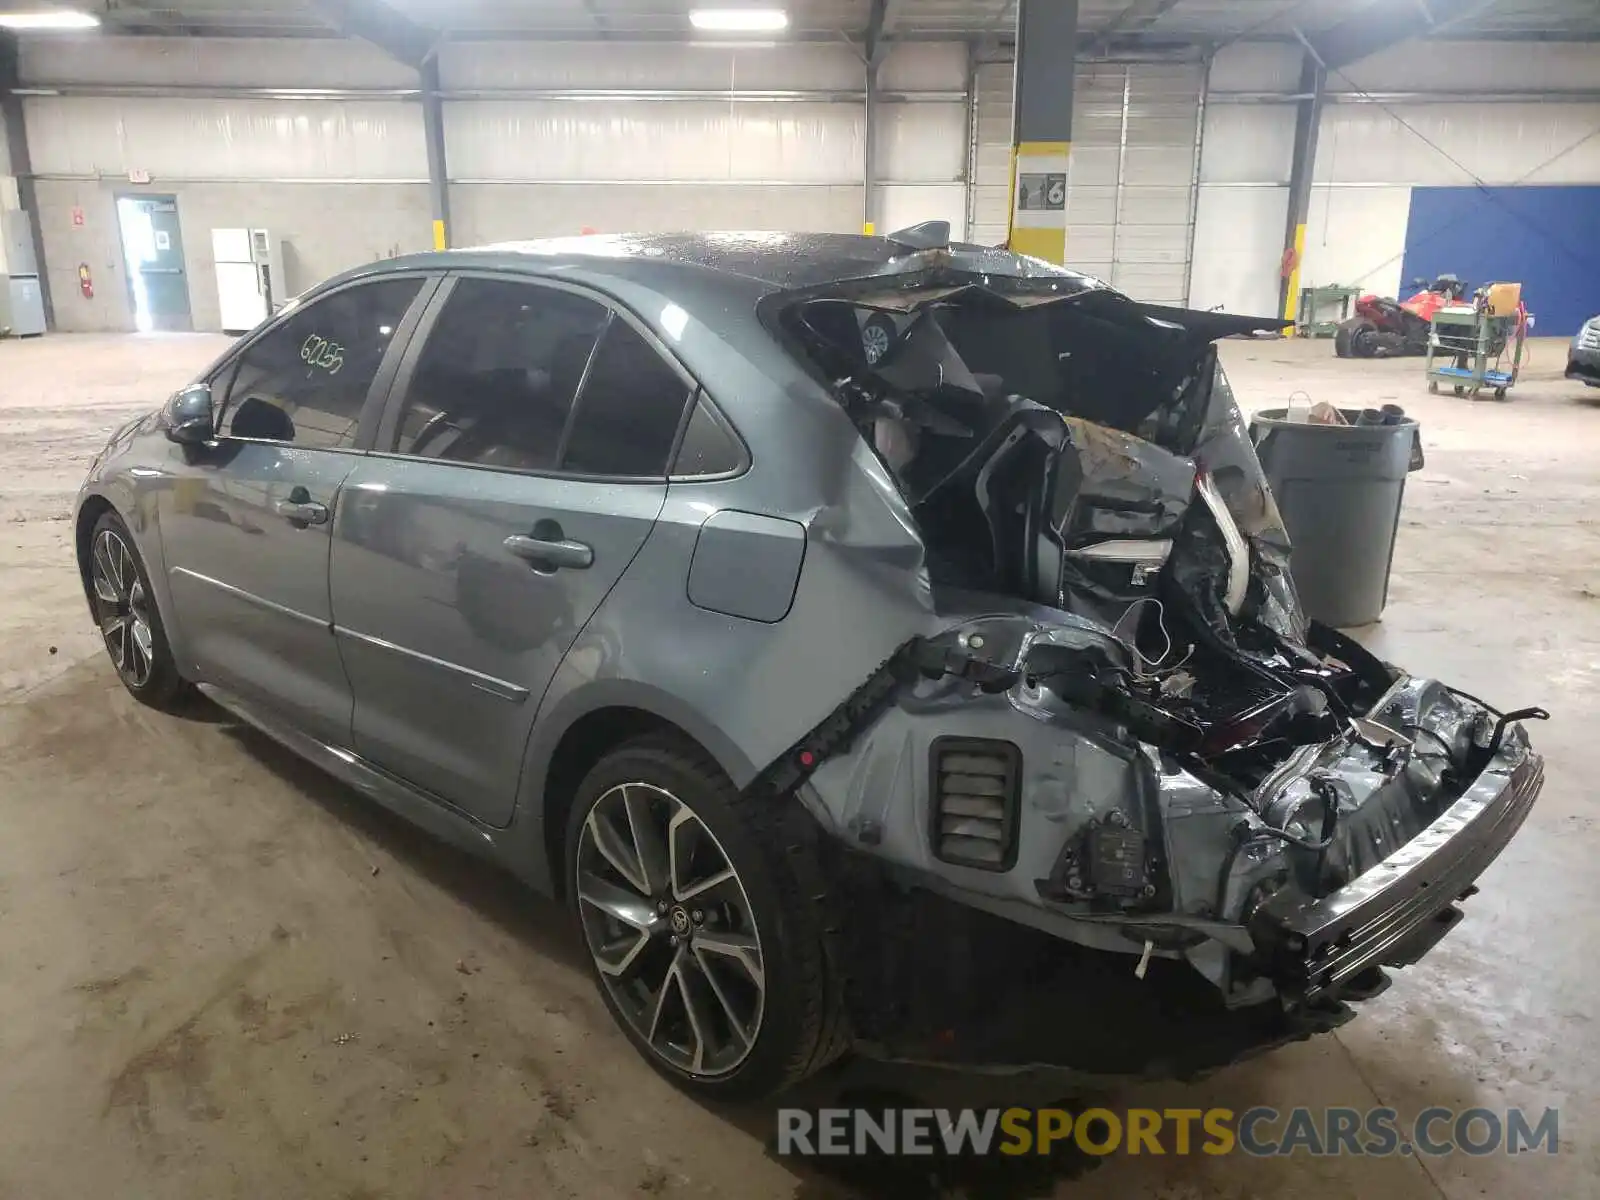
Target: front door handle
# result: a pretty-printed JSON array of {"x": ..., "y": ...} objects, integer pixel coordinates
[
  {"x": 300, "y": 510},
  {"x": 550, "y": 554}
]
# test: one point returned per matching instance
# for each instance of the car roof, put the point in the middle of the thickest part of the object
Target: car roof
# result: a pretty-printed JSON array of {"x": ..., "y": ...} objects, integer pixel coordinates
[{"x": 780, "y": 261}]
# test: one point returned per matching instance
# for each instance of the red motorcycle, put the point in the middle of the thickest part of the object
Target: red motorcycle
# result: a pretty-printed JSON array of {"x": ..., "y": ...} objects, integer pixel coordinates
[{"x": 1387, "y": 328}]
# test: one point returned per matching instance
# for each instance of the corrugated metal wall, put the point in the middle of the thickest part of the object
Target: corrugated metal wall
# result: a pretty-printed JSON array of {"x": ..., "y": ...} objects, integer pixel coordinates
[
  {"x": 541, "y": 139},
  {"x": 990, "y": 206},
  {"x": 1130, "y": 180},
  {"x": 1370, "y": 155},
  {"x": 699, "y": 137}
]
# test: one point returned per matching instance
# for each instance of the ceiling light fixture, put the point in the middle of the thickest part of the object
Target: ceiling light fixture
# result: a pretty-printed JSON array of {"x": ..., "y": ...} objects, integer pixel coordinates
[
  {"x": 739, "y": 20},
  {"x": 48, "y": 19}
]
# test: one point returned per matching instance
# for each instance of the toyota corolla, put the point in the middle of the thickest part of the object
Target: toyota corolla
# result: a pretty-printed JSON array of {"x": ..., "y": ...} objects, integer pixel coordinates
[{"x": 881, "y": 644}]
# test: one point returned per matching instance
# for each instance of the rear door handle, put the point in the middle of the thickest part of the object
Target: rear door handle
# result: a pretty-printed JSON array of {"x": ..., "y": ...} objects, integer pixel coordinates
[
  {"x": 300, "y": 510},
  {"x": 550, "y": 553}
]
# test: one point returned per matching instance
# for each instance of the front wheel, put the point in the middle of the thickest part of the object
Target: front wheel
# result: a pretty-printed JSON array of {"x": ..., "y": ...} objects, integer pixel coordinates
[
  {"x": 130, "y": 625},
  {"x": 707, "y": 953}
]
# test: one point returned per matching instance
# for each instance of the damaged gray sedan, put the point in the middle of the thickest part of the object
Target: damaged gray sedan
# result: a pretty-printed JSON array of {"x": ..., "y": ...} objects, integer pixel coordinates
[{"x": 880, "y": 644}]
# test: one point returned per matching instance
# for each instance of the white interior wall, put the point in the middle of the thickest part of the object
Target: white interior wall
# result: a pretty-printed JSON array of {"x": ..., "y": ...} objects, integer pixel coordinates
[
  {"x": 711, "y": 142},
  {"x": 1129, "y": 177},
  {"x": 617, "y": 64},
  {"x": 990, "y": 202},
  {"x": 499, "y": 212},
  {"x": 187, "y": 139},
  {"x": 1238, "y": 246},
  {"x": 1244, "y": 185},
  {"x": 661, "y": 137},
  {"x": 215, "y": 62},
  {"x": 344, "y": 178},
  {"x": 1456, "y": 66},
  {"x": 922, "y": 164},
  {"x": 1370, "y": 155}
]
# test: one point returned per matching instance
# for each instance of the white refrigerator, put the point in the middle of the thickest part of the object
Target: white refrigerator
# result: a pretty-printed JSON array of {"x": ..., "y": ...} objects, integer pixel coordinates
[{"x": 249, "y": 277}]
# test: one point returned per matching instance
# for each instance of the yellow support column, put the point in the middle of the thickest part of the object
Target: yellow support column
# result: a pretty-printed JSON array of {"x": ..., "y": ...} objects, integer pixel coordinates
[
  {"x": 1041, "y": 127},
  {"x": 1308, "y": 119},
  {"x": 1039, "y": 199},
  {"x": 1291, "y": 295}
]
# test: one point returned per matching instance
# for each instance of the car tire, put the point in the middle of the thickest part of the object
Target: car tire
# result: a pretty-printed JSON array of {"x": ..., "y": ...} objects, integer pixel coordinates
[
  {"x": 130, "y": 624},
  {"x": 745, "y": 1003},
  {"x": 1354, "y": 338}
]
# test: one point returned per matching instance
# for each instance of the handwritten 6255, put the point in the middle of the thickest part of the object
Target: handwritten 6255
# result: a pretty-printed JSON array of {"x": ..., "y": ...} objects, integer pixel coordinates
[{"x": 320, "y": 352}]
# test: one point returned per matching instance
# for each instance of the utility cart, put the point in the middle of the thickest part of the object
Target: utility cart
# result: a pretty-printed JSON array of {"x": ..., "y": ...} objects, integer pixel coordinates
[
  {"x": 1478, "y": 345},
  {"x": 1314, "y": 301}
]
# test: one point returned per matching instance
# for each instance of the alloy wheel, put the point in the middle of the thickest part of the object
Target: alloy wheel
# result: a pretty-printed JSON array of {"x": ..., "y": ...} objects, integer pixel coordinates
[
  {"x": 670, "y": 929},
  {"x": 123, "y": 608},
  {"x": 874, "y": 342}
]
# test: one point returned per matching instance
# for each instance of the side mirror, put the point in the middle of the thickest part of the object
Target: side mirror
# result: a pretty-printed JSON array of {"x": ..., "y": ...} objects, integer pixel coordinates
[{"x": 187, "y": 416}]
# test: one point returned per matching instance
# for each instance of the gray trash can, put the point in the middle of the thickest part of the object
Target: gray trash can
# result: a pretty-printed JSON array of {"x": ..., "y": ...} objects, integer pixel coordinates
[{"x": 1339, "y": 489}]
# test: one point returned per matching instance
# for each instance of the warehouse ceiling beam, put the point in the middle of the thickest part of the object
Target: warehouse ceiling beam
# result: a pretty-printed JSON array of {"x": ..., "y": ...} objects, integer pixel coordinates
[
  {"x": 1386, "y": 23},
  {"x": 373, "y": 21},
  {"x": 15, "y": 132},
  {"x": 126, "y": 16},
  {"x": 1129, "y": 24},
  {"x": 402, "y": 38},
  {"x": 602, "y": 26},
  {"x": 875, "y": 39}
]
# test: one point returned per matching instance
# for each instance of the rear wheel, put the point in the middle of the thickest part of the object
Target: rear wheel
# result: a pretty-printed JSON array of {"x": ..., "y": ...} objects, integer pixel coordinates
[
  {"x": 708, "y": 954},
  {"x": 130, "y": 625}
]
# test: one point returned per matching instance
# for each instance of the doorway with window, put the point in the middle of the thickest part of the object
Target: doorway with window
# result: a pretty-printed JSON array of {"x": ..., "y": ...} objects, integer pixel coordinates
[{"x": 152, "y": 255}]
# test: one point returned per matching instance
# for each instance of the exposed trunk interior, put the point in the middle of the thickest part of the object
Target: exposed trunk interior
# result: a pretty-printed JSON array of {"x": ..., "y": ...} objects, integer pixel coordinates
[{"x": 1084, "y": 453}]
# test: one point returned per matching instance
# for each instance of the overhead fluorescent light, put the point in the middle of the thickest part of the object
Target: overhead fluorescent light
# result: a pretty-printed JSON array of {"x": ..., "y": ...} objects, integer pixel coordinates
[
  {"x": 47, "y": 19},
  {"x": 739, "y": 20}
]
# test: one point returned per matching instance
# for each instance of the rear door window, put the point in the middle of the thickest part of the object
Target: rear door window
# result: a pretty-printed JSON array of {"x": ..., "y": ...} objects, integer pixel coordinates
[
  {"x": 305, "y": 380},
  {"x": 629, "y": 410},
  {"x": 495, "y": 382}
]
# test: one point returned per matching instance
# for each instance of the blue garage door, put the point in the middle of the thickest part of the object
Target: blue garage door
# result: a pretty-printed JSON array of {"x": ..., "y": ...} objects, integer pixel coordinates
[{"x": 1548, "y": 238}]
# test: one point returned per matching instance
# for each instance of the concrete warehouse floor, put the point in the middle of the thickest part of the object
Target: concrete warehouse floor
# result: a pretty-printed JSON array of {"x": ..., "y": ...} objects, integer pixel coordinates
[{"x": 224, "y": 975}]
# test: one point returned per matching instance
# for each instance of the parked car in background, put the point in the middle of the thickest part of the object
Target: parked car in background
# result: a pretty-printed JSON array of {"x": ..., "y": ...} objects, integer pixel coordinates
[
  {"x": 1583, "y": 357},
  {"x": 879, "y": 643}
]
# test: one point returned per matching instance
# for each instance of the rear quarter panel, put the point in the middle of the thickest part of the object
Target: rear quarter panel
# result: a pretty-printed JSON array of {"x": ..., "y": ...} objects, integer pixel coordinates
[{"x": 748, "y": 689}]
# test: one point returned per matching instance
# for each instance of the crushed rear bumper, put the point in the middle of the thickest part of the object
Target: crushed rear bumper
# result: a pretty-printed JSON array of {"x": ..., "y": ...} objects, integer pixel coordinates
[{"x": 1395, "y": 912}]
